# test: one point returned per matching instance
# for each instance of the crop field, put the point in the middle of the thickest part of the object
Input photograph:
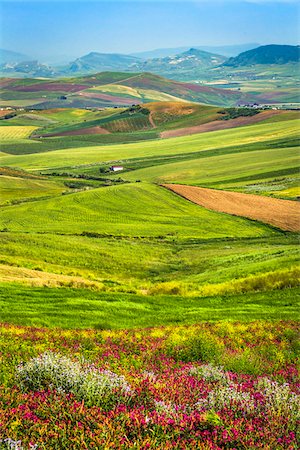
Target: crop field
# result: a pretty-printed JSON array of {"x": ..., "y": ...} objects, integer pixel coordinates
[
  {"x": 15, "y": 133},
  {"x": 13, "y": 188},
  {"x": 129, "y": 124},
  {"x": 220, "y": 124},
  {"x": 139, "y": 209},
  {"x": 281, "y": 213},
  {"x": 255, "y": 134}
]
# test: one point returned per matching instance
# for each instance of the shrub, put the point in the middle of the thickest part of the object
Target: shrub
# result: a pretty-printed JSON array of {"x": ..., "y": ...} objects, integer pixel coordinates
[
  {"x": 279, "y": 398},
  {"x": 168, "y": 287},
  {"x": 203, "y": 348},
  {"x": 227, "y": 397},
  {"x": 210, "y": 373},
  {"x": 54, "y": 371},
  {"x": 278, "y": 279}
]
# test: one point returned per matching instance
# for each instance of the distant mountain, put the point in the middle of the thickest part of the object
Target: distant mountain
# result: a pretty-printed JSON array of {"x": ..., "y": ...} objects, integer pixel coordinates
[
  {"x": 266, "y": 54},
  {"x": 160, "y": 52},
  {"x": 229, "y": 50},
  {"x": 8, "y": 57},
  {"x": 185, "y": 64},
  {"x": 27, "y": 69},
  {"x": 98, "y": 62},
  {"x": 226, "y": 50}
]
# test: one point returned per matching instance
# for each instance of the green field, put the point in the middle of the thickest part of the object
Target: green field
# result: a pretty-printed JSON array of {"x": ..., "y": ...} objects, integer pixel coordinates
[
  {"x": 138, "y": 209},
  {"x": 14, "y": 188},
  {"x": 69, "y": 308},
  {"x": 71, "y": 229},
  {"x": 175, "y": 146},
  {"x": 260, "y": 158}
]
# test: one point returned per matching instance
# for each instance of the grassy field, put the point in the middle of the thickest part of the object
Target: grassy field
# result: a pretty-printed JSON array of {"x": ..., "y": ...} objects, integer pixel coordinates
[
  {"x": 75, "y": 308},
  {"x": 131, "y": 209},
  {"x": 165, "y": 264},
  {"x": 14, "y": 188},
  {"x": 175, "y": 146},
  {"x": 155, "y": 323},
  {"x": 138, "y": 237},
  {"x": 259, "y": 159}
]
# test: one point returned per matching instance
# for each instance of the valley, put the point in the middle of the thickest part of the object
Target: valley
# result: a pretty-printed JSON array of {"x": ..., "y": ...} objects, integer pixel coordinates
[{"x": 149, "y": 277}]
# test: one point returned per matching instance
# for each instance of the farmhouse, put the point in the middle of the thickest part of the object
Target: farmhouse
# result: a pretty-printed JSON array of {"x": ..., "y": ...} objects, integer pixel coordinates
[{"x": 116, "y": 168}]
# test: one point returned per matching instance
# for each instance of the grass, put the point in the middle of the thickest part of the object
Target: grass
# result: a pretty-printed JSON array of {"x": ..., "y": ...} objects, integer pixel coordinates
[
  {"x": 24, "y": 147},
  {"x": 137, "y": 237},
  {"x": 207, "y": 141},
  {"x": 137, "y": 209},
  {"x": 220, "y": 170},
  {"x": 144, "y": 265},
  {"x": 13, "y": 188},
  {"x": 69, "y": 308}
]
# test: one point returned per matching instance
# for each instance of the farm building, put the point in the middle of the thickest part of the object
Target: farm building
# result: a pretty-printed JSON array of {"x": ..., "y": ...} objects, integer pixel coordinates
[{"x": 116, "y": 168}]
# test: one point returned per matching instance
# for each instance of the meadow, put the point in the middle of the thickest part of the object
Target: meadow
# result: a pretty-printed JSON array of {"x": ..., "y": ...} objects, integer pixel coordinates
[{"x": 206, "y": 386}]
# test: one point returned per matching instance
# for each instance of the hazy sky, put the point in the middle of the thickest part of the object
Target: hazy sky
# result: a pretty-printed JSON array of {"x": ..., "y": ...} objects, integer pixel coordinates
[{"x": 41, "y": 28}]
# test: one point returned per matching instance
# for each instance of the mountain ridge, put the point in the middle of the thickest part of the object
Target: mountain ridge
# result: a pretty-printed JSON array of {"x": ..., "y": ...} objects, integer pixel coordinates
[{"x": 266, "y": 54}]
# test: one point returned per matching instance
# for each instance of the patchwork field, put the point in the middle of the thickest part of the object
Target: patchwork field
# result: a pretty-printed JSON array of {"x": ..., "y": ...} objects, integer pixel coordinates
[
  {"x": 143, "y": 318},
  {"x": 111, "y": 89}
]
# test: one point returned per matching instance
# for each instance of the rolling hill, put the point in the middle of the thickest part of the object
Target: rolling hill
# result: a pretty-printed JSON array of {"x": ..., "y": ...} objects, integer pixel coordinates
[{"x": 110, "y": 89}]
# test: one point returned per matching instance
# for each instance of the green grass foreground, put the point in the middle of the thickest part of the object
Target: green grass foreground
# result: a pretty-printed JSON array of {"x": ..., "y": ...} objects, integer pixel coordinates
[{"x": 79, "y": 308}]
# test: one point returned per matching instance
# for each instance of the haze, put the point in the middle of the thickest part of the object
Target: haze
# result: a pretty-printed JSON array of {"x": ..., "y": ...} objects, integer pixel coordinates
[{"x": 44, "y": 29}]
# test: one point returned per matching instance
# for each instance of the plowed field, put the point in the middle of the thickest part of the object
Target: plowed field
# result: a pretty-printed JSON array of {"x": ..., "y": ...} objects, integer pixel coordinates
[
  {"x": 81, "y": 131},
  {"x": 284, "y": 214}
]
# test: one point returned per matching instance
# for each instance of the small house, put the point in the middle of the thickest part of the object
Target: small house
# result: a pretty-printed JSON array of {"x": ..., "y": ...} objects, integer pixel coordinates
[{"x": 116, "y": 168}]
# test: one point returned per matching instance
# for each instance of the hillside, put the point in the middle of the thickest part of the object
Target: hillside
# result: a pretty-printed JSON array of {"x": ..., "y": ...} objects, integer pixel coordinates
[
  {"x": 182, "y": 65},
  {"x": 267, "y": 54},
  {"x": 110, "y": 89}
]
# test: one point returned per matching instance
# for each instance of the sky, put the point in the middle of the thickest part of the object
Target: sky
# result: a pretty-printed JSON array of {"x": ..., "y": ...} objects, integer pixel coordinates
[{"x": 43, "y": 28}]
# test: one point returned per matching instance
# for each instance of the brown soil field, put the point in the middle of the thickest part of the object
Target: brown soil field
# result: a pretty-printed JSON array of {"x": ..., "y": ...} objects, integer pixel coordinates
[
  {"x": 284, "y": 214},
  {"x": 220, "y": 124},
  {"x": 82, "y": 131},
  {"x": 5, "y": 112}
]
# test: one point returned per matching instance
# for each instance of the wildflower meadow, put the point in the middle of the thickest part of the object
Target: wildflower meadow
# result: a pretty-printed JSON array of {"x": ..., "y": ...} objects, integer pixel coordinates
[{"x": 222, "y": 385}]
